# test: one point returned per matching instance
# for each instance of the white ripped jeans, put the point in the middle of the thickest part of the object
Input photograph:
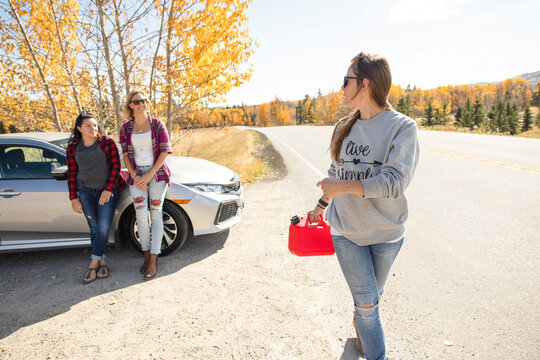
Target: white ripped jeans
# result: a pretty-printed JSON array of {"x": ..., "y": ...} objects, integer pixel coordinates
[{"x": 145, "y": 201}]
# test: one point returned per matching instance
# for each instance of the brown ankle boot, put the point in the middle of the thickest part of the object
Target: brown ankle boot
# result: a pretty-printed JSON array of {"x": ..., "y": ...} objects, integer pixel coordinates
[
  {"x": 146, "y": 260},
  {"x": 358, "y": 342},
  {"x": 151, "y": 270}
]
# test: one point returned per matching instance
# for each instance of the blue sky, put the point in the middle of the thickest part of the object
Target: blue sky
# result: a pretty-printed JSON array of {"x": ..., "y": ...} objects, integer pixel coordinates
[{"x": 305, "y": 45}]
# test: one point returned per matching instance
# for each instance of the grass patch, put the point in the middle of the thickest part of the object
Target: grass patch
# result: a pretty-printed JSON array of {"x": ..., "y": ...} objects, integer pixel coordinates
[
  {"x": 535, "y": 133},
  {"x": 235, "y": 149}
]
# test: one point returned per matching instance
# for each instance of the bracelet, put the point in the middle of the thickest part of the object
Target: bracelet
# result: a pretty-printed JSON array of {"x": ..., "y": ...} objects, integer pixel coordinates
[
  {"x": 319, "y": 206},
  {"x": 323, "y": 203}
]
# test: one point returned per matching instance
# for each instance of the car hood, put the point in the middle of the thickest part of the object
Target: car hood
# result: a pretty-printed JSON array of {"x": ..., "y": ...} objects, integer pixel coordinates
[{"x": 188, "y": 170}]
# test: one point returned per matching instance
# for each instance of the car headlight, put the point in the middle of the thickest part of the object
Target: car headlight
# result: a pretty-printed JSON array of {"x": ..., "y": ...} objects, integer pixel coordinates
[
  {"x": 231, "y": 187},
  {"x": 207, "y": 187}
]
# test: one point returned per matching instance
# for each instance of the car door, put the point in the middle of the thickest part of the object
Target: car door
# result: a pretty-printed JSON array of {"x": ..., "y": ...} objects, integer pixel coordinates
[{"x": 35, "y": 210}]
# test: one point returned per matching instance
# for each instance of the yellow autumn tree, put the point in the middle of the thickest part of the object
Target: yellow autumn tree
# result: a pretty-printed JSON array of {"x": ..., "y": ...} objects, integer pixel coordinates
[
  {"x": 335, "y": 108},
  {"x": 39, "y": 42},
  {"x": 200, "y": 55},
  {"x": 56, "y": 61},
  {"x": 284, "y": 117},
  {"x": 263, "y": 116}
]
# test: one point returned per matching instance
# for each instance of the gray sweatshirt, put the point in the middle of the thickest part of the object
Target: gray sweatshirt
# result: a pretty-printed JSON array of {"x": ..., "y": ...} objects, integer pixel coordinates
[{"x": 382, "y": 152}]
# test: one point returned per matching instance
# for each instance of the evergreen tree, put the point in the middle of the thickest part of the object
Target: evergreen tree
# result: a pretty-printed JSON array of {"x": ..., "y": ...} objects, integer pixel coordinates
[
  {"x": 444, "y": 114},
  {"x": 401, "y": 105},
  {"x": 467, "y": 114},
  {"x": 404, "y": 105},
  {"x": 457, "y": 117},
  {"x": 437, "y": 117},
  {"x": 300, "y": 118},
  {"x": 538, "y": 120},
  {"x": 527, "y": 119},
  {"x": 512, "y": 116},
  {"x": 479, "y": 114},
  {"x": 500, "y": 120},
  {"x": 428, "y": 113},
  {"x": 497, "y": 116}
]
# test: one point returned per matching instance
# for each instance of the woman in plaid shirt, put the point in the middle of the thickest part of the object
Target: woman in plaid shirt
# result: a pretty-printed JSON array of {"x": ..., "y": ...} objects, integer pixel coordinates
[
  {"x": 145, "y": 145},
  {"x": 94, "y": 181}
]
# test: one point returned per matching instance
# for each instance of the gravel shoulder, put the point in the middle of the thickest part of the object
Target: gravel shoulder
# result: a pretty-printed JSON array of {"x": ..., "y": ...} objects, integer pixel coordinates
[{"x": 235, "y": 295}]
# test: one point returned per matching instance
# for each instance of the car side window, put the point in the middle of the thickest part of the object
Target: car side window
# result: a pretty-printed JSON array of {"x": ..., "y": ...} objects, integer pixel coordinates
[{"x": 29, "y": 162}]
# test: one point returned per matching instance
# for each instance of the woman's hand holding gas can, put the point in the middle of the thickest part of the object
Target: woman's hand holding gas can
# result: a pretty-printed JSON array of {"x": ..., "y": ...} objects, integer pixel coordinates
[{"x": 315, "y": 215}]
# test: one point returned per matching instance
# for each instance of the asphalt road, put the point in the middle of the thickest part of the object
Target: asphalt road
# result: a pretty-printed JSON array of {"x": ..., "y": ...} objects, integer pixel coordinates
[{"x": 468, "y": 272}]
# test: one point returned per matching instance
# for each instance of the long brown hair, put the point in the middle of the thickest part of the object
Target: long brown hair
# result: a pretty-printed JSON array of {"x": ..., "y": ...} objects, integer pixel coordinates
[
  {"x": 127, "y": 112},
  {"x": 375, "y": 68}
]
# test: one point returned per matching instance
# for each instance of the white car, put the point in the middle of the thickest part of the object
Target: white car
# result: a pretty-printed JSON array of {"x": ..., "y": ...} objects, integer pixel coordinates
[{"x": 36, "y": 214}]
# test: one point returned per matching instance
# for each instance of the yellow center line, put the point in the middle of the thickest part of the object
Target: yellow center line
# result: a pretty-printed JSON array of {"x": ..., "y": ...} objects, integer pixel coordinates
[{"x": 484, "y": 160}]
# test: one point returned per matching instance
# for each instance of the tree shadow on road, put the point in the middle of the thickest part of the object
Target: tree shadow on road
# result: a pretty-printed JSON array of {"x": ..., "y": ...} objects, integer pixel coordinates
[{"x": 35, "y": 286}]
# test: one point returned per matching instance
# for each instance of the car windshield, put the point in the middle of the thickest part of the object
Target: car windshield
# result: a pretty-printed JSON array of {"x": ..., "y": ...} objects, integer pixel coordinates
[{"x": 60, "y": 142}]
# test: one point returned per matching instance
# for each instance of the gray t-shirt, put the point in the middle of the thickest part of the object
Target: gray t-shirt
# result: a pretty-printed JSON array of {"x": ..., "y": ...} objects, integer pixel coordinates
[
  {"x": 93, "y": 170},
  {"x": 382, "y": 152}
]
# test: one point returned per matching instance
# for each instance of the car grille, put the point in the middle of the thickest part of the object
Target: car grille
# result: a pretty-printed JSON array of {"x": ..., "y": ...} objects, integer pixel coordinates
[
  {"x": 226, "y": 211},
  {"x": 229, "y": 188}
]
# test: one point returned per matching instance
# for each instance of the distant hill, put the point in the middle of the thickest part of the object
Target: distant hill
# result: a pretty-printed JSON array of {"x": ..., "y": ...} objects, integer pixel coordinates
[{"x": 532, "y": 78}]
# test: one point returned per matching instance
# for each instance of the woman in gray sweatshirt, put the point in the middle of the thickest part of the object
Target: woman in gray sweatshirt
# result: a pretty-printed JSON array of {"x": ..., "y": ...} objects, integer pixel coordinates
[{"x": 374, "y": 154}]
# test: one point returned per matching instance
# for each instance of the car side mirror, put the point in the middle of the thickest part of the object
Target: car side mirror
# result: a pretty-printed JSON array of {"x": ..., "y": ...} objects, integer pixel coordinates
[{"x": 60, "y": 173}]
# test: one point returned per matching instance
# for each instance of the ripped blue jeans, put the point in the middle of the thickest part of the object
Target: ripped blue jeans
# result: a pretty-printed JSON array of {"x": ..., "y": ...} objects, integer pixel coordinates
[
  {"x": 145, "y": 201},
  {"x": 366, "y": 269},
  {"x": 99, "y": 218}
]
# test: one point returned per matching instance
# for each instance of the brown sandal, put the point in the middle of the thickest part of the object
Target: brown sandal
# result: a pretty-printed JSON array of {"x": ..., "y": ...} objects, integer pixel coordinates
[
  {"x": 87, "y": 279},
  {"x": 151, "y": 271},
  {"x": 102, "y": 272},
  {"x": 146, "y": 260}
]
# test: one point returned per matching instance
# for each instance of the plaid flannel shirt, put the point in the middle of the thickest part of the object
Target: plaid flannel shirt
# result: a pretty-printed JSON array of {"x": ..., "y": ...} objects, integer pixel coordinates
[
  {"x": 113, "y": 161},
  {"x": 160, "y": 143}
]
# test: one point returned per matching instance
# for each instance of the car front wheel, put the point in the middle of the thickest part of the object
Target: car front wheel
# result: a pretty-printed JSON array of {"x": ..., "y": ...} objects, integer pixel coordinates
[{"x": 175, "y": 228}]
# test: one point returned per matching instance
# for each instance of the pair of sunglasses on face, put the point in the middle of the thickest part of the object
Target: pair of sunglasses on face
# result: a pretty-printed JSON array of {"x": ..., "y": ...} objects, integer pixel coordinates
[
  {"x": 346, "y": 79},
  {"x": 137, "y": 102}
]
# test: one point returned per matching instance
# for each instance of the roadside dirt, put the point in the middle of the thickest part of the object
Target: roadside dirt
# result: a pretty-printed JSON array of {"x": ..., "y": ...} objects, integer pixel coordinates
[
  {"x": 272, "y": 158},
  {"x": 235, "y": 295}
]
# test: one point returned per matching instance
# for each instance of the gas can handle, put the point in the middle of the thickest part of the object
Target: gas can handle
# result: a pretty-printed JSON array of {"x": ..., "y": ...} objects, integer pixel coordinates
[{"x": 313, "y": 224}]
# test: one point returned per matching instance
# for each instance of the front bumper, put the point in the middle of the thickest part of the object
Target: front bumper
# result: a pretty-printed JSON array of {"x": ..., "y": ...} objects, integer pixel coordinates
[{"x": 211, "y": 213}]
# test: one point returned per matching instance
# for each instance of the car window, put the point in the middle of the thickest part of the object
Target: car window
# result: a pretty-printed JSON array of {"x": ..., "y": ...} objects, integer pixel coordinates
[{"x": 29, "y": 162}]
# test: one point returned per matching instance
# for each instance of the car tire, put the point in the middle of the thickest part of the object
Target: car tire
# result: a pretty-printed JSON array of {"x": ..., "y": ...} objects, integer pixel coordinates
[{"x": 176, "y": 228}]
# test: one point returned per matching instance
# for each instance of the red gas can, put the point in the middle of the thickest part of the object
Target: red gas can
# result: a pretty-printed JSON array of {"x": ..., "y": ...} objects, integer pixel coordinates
[{"x": 310, "y": 239}]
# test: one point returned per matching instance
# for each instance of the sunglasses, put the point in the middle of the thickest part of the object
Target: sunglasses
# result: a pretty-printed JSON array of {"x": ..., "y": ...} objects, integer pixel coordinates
[
  {"x": 346, "y": 79},
  {"x": 137, "y": 102}
]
